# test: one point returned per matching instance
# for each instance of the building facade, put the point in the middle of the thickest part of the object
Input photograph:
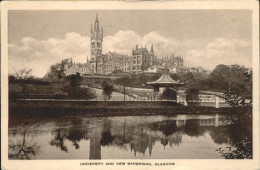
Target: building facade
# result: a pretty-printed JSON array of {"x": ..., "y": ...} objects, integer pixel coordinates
[
  {"x": 142, "y": 59},
  {"x": 73, "y": 68},
  {"x": 96, "y": 40}
]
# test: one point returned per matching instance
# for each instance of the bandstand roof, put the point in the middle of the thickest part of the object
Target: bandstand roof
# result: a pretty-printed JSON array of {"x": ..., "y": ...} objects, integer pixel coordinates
[{"x": 165, "y": 79}]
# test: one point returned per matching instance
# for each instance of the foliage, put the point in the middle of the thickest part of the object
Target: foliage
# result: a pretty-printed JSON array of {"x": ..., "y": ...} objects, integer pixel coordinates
[
  {"x": 240, "y": 130},
  {"x": 24, "y": 150},
  {"x": 60, "y": 95},
  {"x": 169, "y": 94},
  {"x": 73, "y": 89},
  {"x": 29, "y": 80},
  {"x": 240, "y": 150},
  {"x": 57, "y": 71},
  {"x": 240, "y": 92},
  {"x": 226, "y": 77},
  {"x": 189, "y": 78},
  {"x": 107, "y": 90},
  {"x": 192, "y": 94},
  {"x": 175, "y": 77},
  {"x": 238, "y": 95}
]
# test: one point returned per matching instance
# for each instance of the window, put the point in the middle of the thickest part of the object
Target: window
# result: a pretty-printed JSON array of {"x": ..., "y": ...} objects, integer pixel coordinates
[{"x": 93, "y": 45}]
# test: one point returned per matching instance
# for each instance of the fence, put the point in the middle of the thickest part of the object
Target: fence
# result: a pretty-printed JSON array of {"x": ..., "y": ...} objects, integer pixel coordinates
[{"x": 128, "y": 98}]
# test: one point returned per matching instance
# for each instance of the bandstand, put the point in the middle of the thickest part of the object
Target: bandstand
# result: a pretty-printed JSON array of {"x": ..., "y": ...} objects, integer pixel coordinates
[{"x": 165, "y": 81}]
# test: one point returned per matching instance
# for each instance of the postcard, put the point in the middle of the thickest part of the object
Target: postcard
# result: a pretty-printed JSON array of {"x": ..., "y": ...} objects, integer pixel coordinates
[{"x": 123, "y": 85}]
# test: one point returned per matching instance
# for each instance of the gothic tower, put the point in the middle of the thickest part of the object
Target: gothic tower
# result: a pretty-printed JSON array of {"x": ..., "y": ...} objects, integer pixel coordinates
[
  {"x": 96, "y": 40},
  {"x": 152, "y": 57},
  {"x": 95, "y": 44}
]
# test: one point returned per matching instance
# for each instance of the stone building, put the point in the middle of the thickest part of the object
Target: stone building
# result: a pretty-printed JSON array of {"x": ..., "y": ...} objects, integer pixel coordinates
[
  {"x": 142, "y": 59},
  {"x": 96, "y": 41},
  {"x": 173, "y": 60},
  {"x": 73, "y": 68}
]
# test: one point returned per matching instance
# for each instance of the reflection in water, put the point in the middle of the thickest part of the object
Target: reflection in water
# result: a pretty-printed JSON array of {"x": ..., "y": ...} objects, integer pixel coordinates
[
  {"x": 135, "y": 134},
  {"x": 23, "y": 149},
  {"x": 58, "y": 140}
]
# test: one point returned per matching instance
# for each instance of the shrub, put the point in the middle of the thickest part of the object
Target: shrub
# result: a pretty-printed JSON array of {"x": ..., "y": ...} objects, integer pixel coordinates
[{"x": 169, "y": 94}]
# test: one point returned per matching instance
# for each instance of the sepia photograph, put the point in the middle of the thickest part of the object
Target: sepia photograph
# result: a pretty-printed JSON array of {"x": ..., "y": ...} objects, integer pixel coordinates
[{"x": 130, "y": 84}]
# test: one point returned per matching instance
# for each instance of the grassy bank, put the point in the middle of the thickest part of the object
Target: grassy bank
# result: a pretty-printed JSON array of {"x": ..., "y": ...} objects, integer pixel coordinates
[{"x": 98, "y": 108}]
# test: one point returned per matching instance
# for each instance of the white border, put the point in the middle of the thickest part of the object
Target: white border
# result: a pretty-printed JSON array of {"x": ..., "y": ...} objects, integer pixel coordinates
[{"x": 112, "y": 5}]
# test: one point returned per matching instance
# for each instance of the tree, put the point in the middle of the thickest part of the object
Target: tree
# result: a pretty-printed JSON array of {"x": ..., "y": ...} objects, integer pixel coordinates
[
  {"x": 169, "y": 94},
  {"x": 58, "y": 71},
  {"x": 189, "y": 78},
  {"x": 72, "y": 87},
  {"x": 239, "y": 91},
  {"x": 24, "y": 150},
  {"x": 72, "y": 84},
  {"x": 107, "y": 90},
  {"x": 239, "y": 96},
  {"x": 192, "y": 94},
  {"x": 22, "y": 76},
  {"x": 124, "y": 81},
  {"x": 226, "y": 77}
]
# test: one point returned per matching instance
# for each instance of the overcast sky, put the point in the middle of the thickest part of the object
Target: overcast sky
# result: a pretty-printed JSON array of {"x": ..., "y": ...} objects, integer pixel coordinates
[{"x": 204, "y": 38}]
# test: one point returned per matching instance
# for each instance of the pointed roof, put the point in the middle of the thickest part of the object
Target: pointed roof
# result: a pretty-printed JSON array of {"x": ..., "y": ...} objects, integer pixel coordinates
[
  {"x": 165, "y": 79},
  {"x": 96, "y": 17},
  {"x": 152, "y": 48},
  {"x": 96, "y": 24},
  {"x": 141, "y": 51}
]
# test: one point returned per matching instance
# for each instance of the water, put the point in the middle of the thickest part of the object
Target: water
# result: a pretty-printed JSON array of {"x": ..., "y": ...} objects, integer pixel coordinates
[{"x": 126, "y": 137}]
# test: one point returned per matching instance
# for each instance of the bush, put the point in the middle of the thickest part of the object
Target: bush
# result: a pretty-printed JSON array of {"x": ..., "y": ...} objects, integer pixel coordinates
[
  {"x": 107, "y": 90},
  {"x": 79, "y": 93},
  {"x": 169, "y": 94},
  {"x": 60, "y": 95},
  {"x": 86, "y": 93},
  {"x": 192, "y": 94}
]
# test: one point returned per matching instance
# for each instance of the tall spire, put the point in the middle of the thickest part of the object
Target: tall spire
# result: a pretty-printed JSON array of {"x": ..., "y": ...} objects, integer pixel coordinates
[
  {"x": 91, "y": 29},
  {"x": 96, "y": 17},
  {"x": 152, "y": 48},
  {"x": 96, "y": 24}
]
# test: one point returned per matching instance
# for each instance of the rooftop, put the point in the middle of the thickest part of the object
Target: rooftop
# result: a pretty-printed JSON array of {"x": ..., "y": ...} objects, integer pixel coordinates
[{"x": 165, "y": 79}]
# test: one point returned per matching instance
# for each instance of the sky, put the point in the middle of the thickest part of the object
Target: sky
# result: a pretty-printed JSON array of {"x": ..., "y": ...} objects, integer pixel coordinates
[{"x": 206, "y": 38}]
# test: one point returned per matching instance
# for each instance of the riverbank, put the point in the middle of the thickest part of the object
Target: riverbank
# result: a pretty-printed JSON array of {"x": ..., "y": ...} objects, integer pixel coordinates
[{"x": 111, "y": 108}]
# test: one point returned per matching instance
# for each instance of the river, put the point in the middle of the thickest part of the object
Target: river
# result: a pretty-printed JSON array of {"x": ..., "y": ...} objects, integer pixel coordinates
[{"x": 121, "y": 137}]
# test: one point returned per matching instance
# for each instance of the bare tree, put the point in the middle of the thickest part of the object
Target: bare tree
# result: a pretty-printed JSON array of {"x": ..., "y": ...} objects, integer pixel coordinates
[
  {"x": 124, "y": 81},
  {"x": 23, "y": 150},
  {"x": 22, "y": 76}
]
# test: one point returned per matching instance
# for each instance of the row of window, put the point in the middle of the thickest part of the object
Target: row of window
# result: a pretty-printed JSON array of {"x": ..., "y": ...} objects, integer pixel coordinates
[
  {"x": 98, "y": 44},
  {"x": 136, "y": 68},
  {"x": 98, "y": 53}
]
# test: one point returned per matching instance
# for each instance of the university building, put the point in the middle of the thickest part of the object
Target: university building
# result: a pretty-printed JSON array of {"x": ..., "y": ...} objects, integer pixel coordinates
[{"x": 141, "y": 60}]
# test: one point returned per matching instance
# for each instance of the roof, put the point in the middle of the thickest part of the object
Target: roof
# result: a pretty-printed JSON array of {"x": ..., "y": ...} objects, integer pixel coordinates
[
  {"x": 165, "y": 79},
  {"x": 116, "y": 55},
  {"x": 141, "y": 51}
]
